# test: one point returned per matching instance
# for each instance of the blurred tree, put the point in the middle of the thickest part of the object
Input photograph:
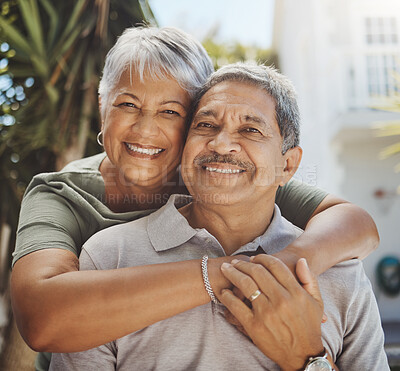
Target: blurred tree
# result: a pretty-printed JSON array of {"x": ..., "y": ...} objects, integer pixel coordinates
[
  {"x": 224, "y": 53},
  {"x": 51, "y": 56}
]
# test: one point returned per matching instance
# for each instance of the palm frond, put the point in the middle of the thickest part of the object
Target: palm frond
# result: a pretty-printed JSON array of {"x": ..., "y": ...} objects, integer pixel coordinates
[
  {"x": 387, "y": 129},
  {"x": 390, "y": 151},
  {"x": 31, "y": 18},
  {"x": 14, "y": 37}
]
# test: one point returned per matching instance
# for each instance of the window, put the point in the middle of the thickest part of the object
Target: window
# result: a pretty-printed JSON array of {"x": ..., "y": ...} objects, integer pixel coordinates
[
  {"x": 381, "y": 70},
  {"x": 381, "y": 30}
]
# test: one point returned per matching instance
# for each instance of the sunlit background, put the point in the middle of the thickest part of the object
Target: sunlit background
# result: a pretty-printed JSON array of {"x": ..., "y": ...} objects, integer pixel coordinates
[
  {"x": 342, "y": 55},
  {"x": 225, "y": 20}
]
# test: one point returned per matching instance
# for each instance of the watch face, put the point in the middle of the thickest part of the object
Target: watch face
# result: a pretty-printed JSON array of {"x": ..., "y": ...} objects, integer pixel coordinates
[{"x": 319, "y": 364}]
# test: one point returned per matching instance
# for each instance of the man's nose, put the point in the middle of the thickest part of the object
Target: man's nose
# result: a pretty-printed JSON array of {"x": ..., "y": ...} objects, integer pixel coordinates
[
  {"x": 146, "y": 124},
  {"x": 224, "y": 143}
]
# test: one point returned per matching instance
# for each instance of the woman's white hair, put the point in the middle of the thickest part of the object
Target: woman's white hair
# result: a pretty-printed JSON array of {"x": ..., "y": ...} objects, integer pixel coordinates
[{"x": 158, "y": 53}]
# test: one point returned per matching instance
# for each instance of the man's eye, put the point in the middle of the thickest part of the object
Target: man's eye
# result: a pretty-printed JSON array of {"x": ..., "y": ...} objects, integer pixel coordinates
[
  {"x": 204, "y": 125},
  {"x": 252, "y": 130}
]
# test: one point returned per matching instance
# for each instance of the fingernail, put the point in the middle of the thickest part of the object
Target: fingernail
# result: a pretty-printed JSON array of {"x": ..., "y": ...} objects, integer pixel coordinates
[
  {"x": 252, "y": 258},
  {"x": 234, "y": 261},
  {"x": 225, "y": 266}
]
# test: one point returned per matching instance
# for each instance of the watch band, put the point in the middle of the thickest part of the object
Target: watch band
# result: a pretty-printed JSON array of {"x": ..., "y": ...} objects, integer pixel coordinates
[{"x": 319, "y": 363}]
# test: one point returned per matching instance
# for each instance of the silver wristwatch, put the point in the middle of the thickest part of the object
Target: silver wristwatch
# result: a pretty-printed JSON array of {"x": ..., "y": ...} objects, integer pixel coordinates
[{"x": 319, "y": 364}]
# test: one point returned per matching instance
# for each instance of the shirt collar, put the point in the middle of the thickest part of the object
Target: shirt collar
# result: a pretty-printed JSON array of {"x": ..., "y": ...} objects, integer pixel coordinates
[
  {"x": 168, "y": 228},
  {"x": 277, "y": 236}
]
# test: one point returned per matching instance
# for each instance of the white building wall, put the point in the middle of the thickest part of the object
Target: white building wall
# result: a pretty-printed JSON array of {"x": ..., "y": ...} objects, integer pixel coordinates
[
  {"x": 322, "y": 48},
  {"x": 364, "y": 175},
  {"x": 305, "y": 58}
]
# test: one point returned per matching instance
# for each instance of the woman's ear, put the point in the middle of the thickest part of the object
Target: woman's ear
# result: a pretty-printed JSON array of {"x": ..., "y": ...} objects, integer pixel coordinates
[{"x": 292, "y": 161}]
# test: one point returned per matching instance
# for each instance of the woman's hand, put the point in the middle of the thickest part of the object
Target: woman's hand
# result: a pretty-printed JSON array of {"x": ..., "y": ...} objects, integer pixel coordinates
[{"x": 284, "y": 322}]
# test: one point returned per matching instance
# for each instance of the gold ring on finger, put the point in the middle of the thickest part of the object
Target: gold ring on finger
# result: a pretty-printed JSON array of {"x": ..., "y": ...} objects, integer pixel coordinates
[{"x": 255, "y": 295}]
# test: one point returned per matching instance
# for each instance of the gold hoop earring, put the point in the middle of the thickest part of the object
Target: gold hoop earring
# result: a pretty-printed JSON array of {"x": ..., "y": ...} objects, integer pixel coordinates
[{"x": 100, "y": 134}]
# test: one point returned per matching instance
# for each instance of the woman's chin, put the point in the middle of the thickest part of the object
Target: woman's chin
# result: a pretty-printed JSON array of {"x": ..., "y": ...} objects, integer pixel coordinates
[{"x": 143, "y": 177}]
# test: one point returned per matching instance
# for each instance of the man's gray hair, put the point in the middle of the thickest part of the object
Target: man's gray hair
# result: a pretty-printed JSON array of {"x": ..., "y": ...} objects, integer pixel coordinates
[
  {"x": 275, "y": 84},
  {"x": 158, "y": 53}
]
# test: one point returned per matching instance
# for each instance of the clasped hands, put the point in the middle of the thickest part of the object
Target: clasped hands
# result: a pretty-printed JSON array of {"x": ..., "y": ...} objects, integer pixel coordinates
[{"x": 284, "y": 322}]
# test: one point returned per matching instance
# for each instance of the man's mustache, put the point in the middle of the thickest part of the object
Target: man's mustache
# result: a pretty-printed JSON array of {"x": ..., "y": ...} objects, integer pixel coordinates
[{"x": 223, "y": 159}]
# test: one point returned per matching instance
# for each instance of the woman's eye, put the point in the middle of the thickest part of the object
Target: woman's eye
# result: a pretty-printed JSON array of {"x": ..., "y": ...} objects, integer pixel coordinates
[
  {"x": 127, "y": 104},
  {"x": 171, "y": 112}
]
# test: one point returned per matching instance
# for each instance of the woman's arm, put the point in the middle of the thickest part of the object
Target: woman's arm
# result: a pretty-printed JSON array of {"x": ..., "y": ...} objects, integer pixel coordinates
[
  {"x": 337, "y": 231},
  {"x": 61, "y": 309}
]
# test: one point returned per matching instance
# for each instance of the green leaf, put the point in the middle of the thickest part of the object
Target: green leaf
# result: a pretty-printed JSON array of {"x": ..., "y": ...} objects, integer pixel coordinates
[
  {"x": 388, "y": 128},
  {"x": 31, "y": 18},
  {"x": 15, "y": 38},
  {"x": 40, "y": 66},
  {"x": 71, "y": 32},
  {"x": 53, "y": 19},
  {"x": 71, "y": 40},
  {"x": 52, "y": 93},
  {"x": 73, "y": 20},
  {"x": 63, "y": 47},
  {"x": 386, "y": 124},
  {"x": 390, "y": 151},
  {"x": 389, "y": 132},
  {"x": 147, "y": 12},
  {"x": 22, "y": 71},
  {"x": 73, "y": 76}
]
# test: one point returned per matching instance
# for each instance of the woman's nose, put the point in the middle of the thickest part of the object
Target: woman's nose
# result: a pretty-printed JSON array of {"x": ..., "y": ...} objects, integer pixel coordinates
[{"x": 146, "y": 124}]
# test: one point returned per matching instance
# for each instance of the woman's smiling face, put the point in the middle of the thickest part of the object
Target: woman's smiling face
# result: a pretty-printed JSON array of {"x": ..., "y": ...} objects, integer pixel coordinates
[{"x": 144, "y": 129}]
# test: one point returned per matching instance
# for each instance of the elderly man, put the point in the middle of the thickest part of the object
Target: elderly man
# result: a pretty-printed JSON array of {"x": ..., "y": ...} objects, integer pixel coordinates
[{"x": 242, "y": 145}]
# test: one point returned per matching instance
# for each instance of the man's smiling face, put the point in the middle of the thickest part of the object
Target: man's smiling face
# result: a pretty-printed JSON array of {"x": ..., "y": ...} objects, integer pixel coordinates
[{"x": 233, "y": 151}]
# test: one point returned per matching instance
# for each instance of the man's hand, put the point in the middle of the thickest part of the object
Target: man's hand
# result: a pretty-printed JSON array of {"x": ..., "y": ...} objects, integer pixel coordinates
[
  {"x": 284, "y": 322},
  {"x": 292, "y": 260}
]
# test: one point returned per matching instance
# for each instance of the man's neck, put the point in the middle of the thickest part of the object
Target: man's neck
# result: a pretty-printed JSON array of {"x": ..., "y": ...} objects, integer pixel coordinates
[{"x": 232, "y": 225}]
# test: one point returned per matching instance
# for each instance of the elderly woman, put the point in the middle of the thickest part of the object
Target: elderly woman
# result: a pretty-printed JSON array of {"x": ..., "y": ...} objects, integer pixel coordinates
[{"x": 149, "y": 79}]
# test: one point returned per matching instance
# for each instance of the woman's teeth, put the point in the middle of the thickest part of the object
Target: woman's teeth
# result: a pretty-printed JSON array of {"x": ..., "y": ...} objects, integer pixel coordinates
[
  {"x": 146, "y": 151},
  {"x": 223, "y": 171}
]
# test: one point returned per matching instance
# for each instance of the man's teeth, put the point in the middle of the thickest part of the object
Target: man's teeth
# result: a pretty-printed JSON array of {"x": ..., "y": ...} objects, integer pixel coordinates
[
  {"x": 223, "y": 171},
  {"x": 146, "y": 151}
]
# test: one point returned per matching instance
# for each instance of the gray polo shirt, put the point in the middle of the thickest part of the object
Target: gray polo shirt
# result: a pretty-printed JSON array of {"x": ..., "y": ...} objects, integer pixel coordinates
[{"x": 201, "y": 338}]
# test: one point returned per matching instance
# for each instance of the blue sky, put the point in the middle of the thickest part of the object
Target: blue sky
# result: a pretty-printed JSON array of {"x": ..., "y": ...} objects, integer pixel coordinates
[{"x": 249, "y": 22}]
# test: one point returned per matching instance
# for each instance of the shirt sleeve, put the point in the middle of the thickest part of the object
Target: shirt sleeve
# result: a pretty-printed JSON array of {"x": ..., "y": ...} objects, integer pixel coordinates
[
  {"x": 85, "y": 262},
  {"x": 363, "y": 342},
  {"x": 47, "y": 220},
  {"x": 101, "y": 358},
  {"x": 298, "y": 200}
]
